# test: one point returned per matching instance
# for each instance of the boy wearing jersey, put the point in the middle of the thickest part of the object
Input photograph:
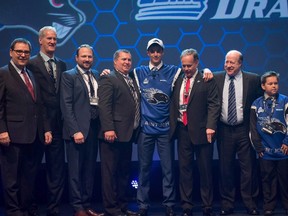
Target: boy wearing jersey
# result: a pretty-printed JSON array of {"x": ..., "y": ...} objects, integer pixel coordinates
[{"x": 268, "y": 127}]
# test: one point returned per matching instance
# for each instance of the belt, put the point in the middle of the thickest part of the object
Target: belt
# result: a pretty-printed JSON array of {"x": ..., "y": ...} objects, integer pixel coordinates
[{"x": 227, "y": 125}]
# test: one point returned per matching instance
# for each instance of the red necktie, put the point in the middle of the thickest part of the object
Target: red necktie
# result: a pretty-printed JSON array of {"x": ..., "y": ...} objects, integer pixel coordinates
[
  {"x": 28, "y": 84},
  {"x": 185, "y": 100}
]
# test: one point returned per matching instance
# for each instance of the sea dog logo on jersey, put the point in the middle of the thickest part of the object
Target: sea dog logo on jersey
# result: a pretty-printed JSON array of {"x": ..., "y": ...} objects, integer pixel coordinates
[
  {"x": 274, "y": 127},
  {"x": 171, "y": 9},
  {"x": 33, "y": 15},
  {"x": 155, "y": 96}
]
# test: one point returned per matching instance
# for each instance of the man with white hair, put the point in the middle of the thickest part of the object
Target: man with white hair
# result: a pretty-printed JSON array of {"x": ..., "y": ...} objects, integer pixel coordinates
[{"x": 48, "y": 68}]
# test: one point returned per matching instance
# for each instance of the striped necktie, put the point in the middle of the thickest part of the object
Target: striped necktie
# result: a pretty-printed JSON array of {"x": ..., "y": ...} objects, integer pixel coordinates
[
  {"x": 51, "y": 71},
  {"x": 232, "y": 113},
  {"x": 136, "y": 99}
]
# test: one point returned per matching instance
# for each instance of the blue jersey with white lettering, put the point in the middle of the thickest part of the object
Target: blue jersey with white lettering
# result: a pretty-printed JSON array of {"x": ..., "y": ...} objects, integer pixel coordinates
[{"x": 156, "y": 89}]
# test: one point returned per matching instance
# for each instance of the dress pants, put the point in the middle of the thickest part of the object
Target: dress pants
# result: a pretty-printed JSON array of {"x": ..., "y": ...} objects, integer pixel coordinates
[
  {"x": 204, "y": 154},
  {"x": 146, "y": 145},
  {"x": 18, "y": 170},
  {"x": 81, "y": 160},
  {"x": 115, "y": 171},
  {"x": 274, "y": 175},
  {"x": 55, "y": 172},
  {"x": 54, "y": 164},
  {"x": 234, "y": 140}
]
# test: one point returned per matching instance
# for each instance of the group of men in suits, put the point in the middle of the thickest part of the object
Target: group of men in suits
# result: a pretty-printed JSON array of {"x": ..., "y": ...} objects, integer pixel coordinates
[
  {"x": 203, "y": 117},
  {"x": 36, "y": 95},
  {"x": 31, "y": 114},
  {"x": 40, "y": 98}
]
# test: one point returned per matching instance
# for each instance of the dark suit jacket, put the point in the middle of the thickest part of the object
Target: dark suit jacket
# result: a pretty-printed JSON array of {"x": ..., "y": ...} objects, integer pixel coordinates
[
  {"x": 203, "y": 108},
  {"x": 20, "y": 115},
  {"x": 251, "y": 90},
  {"x": 50, "y": 92},
  {"x": 116, "y": 106},
  {"x": 75, "y": 103}
]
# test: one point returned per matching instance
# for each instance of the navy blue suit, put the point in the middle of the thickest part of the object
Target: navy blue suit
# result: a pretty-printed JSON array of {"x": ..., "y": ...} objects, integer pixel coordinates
[{"x": 75, "y": 106}]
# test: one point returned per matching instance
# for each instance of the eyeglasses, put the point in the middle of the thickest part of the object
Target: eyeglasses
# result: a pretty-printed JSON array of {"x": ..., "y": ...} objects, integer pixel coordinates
[{"x": 20, "y": 52}]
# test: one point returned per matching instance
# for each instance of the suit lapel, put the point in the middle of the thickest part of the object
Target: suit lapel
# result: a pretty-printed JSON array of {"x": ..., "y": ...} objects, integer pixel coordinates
[
  {"x": 197, "y": 81},
  {"x": 80, "y": 77},
  {"x": 42, "y": 67},
  {"x": 220, "y": 85},
  {"x": 177, "y": 89},
  {"x": 245, "y": 88},
  {"x": 58, "y": 68},
  {"x": 33, "y": 83},
  {"x": 178, "y": 84},
  {"x": 21, "y": 83},
  {"x": 120, "y": 77}
]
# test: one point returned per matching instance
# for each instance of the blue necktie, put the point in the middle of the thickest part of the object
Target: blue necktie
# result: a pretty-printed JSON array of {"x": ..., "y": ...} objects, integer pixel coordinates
[{"x": 232, "y": 113}]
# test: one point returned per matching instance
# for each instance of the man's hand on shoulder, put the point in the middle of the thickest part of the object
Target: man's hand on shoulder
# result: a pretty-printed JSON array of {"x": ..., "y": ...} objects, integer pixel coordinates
[
  {"x": 207, "y": 74},
  {"x": 105, "y": 72}
]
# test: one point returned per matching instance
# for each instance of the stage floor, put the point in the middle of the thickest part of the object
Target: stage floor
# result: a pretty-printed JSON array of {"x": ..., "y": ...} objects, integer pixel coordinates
[{"x": 156, "y": 209}]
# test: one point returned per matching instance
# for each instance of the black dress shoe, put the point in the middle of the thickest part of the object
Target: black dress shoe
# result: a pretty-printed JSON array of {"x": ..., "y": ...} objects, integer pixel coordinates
[
  {"x": 91, "y": 212},
  {"x": 53, "y": 214},
  {"x": 268, "y": 213},
  {"x": 187, "y": 212},
  {"x": 253, "y": 212},
  {"x": 33, "y": 212},
  {"x": 142, "y": 212},
  {"x": 170, "y": 211},
  {"x": 207, "y": 212},
  {"x": 226, "y": 212},
  {"x": 130, "y": 213}
]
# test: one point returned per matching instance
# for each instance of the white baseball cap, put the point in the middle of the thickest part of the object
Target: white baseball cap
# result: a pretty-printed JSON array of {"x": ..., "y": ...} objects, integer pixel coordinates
[{"x": 155, "y": 41}]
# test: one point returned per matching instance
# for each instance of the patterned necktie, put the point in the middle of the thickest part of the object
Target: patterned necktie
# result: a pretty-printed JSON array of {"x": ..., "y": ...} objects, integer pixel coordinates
[
  {"x": 135, "y": 97},
  {"x": 28, "y": 84},
  {"x": 92, "y": 91},
  {"x": 232, "y": 113},
  {"x": 185, "y": 100},
  {"x": 93, "y": 108},
  {"x": 51, "y": 71}
]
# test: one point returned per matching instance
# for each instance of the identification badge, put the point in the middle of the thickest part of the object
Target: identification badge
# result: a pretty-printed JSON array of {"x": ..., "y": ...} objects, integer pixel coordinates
[{"x": 94, "y": 101}]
